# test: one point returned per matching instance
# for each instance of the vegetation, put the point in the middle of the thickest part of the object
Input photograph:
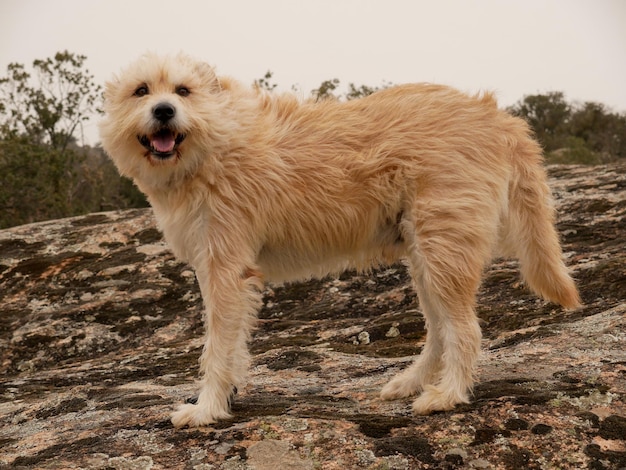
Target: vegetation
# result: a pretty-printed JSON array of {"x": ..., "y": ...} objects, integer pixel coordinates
[
  {"x": 587, "y": 133},
  {"x": 45, "y": 173},
  {"x": 328, "y": 89}
]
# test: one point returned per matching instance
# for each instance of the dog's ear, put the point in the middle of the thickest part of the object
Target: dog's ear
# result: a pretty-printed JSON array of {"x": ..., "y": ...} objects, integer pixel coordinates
[{"x": 208, "y": 75}]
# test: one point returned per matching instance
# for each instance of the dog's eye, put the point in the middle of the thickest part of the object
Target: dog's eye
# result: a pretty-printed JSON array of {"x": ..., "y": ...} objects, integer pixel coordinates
[
  {"x": 141, "y": 91},
  {"x": 182, "y": 91}
]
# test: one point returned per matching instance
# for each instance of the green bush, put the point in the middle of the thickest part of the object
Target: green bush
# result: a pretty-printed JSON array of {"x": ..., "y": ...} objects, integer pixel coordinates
[
  {"x": 44, "y": 174},
  {"x": 576, "y": 151},
  {"x": 587, "y": 133}
]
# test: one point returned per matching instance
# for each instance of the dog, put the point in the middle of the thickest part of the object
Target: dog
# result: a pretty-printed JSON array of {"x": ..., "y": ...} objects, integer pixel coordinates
[{"x": 250, "y": 186}]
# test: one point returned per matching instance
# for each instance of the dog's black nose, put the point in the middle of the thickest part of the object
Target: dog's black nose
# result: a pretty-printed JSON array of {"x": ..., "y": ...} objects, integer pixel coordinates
[{"x": 164, "y": 112}]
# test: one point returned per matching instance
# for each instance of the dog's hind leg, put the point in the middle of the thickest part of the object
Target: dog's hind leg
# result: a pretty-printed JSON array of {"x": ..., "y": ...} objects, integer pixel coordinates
[
  {"x": 451, "y": 374},
  {"x": 425, "y": 368},
  {"x": 447, "y": 252},
  {"x": 231, "y": 300}
]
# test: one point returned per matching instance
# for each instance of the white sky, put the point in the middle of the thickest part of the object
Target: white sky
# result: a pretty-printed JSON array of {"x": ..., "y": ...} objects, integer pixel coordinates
[{"x": 514, "y": 47}]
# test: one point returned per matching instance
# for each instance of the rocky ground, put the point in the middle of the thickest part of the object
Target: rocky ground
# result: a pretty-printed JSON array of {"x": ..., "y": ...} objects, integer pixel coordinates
[{"x": 100, "y": 333}]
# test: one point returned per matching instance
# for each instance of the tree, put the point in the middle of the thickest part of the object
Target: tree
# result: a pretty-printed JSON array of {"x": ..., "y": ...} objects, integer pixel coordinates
[
  {"x": 603, "y": 131},
  {"x": 33, "y": 185},
  {"x": 264, "y": 82},
  {"x": 40, "y": 112},
  {"x": 548, "y": 115},
  {"x": 328, "y": 89},
  {"x": 364, "y": 90},
  {"x": 585, "y": 133},
  {"x": 325, "y": 90},
  {"x": 50, "y": 104}
]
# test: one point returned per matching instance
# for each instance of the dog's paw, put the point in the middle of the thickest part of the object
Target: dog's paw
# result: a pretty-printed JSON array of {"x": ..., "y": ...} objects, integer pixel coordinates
[
  {"x": 435, "y": 399},
  {"x": 194, "y": 400},
  {"x": 401, "y": 386},
  {"x": 195, "y": 416}
]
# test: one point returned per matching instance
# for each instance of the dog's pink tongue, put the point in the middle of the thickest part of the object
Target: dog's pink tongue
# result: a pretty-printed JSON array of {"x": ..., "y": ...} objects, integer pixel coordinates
[{"x": 163, "y": 143}]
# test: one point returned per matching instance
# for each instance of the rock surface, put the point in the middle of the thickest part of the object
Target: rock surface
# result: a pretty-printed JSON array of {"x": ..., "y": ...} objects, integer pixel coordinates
[{"x": 100, "y": 333}]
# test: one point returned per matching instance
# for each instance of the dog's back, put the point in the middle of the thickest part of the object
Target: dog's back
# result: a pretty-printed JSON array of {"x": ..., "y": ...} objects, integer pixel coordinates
[{"x": 345, "y": 176}]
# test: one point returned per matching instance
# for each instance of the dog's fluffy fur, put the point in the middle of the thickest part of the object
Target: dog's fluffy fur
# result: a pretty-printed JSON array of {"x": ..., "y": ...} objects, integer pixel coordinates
[{"x": 249, "y": 186}]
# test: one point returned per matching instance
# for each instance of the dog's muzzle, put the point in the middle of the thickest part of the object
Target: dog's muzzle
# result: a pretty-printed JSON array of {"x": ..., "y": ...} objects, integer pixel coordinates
[{"x": 163, "y": 143}]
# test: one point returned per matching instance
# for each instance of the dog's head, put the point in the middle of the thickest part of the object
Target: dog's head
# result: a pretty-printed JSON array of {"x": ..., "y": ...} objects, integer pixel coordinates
[{"x": 155, "y": 112}]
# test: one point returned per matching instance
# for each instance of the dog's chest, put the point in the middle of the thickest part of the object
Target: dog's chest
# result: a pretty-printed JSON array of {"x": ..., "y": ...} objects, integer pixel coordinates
[{"x": 183, "y": 232}]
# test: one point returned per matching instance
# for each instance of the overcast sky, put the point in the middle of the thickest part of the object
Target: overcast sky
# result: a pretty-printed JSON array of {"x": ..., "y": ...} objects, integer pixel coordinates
[{"x": 513, "y": 47}]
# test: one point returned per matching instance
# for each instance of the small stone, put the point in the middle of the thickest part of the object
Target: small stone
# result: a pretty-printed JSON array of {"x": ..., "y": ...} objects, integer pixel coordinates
[
  {"x": 364, "y": 337},
  {"x": 393, "y": 332}
]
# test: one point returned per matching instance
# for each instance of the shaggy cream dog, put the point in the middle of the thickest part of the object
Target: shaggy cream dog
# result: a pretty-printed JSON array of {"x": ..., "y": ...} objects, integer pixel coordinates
[{"x": 250, "y": 186}]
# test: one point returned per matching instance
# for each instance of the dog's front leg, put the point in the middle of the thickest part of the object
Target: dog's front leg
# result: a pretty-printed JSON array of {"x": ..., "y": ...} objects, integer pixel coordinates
[{"x": 231, "y": 298}]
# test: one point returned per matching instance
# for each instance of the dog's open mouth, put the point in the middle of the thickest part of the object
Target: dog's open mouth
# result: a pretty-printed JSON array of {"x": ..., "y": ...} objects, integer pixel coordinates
[{"x": 163, "y": 143}]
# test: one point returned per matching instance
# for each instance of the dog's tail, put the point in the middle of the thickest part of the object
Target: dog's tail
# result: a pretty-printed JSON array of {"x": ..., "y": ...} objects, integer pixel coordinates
[{"x": 529, "y": 233}]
